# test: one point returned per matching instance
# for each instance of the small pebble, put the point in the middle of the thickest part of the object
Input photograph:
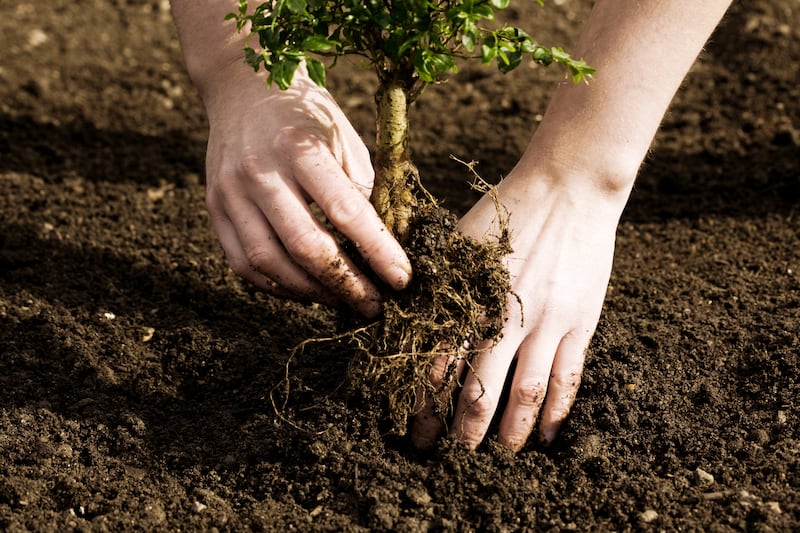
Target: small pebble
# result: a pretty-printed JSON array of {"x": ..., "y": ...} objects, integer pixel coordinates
[
  {"x": 703, "y": 478},
  {"x": 773, "y": 506},
  {"x": 648, "y": 516},
  {"x": 748, "y": 499},
  {"x": 419, "y": 496}
]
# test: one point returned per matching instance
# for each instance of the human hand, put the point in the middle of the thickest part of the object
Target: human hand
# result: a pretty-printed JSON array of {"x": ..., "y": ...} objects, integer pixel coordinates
[
  {"x": 271, "y": 153},
  {"x": 563, "y": 242}
]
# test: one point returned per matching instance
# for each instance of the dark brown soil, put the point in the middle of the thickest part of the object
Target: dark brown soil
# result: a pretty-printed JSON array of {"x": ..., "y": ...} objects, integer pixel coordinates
[{"x": 136, "y": 370}]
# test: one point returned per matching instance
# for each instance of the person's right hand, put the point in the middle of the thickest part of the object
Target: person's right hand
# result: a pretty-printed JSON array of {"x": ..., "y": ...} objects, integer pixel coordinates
[{"x": 273, "y": 153}]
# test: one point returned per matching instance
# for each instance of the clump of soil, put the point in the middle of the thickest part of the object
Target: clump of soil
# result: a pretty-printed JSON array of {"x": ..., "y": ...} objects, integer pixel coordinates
[{"x": 457, "y": 297}]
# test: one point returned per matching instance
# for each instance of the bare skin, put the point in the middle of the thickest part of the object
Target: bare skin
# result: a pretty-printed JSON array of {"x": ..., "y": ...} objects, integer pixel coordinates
[
  {"x": 565, "y": 197},
  {"x": 570, "y": 188},
  {"x": 270, "y": 154}
]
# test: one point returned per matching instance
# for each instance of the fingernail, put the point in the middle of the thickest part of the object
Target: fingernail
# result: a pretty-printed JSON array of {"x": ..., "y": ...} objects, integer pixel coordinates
[{"x": 400, "y": 276}]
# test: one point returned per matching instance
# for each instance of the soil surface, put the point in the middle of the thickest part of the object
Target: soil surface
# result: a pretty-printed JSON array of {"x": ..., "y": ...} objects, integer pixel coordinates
[{"x": 136, "y": 369}]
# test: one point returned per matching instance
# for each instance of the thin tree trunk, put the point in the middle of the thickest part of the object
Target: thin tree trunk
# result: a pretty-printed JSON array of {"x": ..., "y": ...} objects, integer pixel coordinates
[{"x": 393, "y": 193}]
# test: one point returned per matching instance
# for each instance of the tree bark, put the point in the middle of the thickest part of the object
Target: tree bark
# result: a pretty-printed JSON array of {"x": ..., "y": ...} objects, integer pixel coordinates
[{"x": 396, "y": 177}]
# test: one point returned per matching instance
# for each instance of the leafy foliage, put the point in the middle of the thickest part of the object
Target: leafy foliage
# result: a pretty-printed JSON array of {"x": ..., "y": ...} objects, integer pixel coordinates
[{"x": 417, "y": 40}]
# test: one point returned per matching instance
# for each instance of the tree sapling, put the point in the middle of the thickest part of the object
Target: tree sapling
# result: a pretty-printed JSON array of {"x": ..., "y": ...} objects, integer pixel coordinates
[{"x": 460, "y": 288}]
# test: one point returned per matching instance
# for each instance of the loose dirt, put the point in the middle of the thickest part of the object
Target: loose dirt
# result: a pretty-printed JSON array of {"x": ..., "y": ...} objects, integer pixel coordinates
[{"x": 136, "y": 369}]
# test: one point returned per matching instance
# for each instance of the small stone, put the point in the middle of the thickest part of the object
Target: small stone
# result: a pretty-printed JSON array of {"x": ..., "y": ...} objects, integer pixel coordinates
[
  {"x": 36, "y": 37},
  {"x": 147, "y": 334},
  {"x": 419, "y": 496},
  {"x": 318, "y": 449},
  {"x": 760, "y": 437},
  {"x": 703, "y": 478},
  {"x": 199, "y": 507},
  {"x": 648, "y": 516},
  {"x": 155, "y": 512},
  {"x": 774, "y": 507},
  {"x": 747, "y": 499}
]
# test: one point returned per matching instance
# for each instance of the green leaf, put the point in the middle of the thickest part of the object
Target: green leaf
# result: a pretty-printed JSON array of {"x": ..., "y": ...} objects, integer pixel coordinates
[
  {"x": 482, "y": 11},
  {"x": 410, "y": 37},
  {"x": 469, "y": 36},
  {"x": 488, "y": 53},
  {"x": 316, "y": 71},
  {"x": 511, "y": 60},
  {"x": 542, "y": 55},
  {"x": 424, "y": 69},
  {"x": 318, "y": 43},
  {"x": 407, "y": 45},
  {"x": 282, "y": 72},
  {"x": 297, "y": 6}
]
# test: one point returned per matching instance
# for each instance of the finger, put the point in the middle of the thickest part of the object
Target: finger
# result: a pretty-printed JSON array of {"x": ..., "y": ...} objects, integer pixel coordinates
[
  {"x": 233, "y": 250},
  {"x": 342, "y": 140},
  {"x": 310, "y": 245},
  {"x": 356, "y": 163},
  {"x": 480, "y": 395},
  {"x": 529, "y": 386},
  {"x": 427, "y": 424},
  {"x": 565, "y": 380},
  {"x": 255, "y": 253},
  {"x": 320, "y": 175}
]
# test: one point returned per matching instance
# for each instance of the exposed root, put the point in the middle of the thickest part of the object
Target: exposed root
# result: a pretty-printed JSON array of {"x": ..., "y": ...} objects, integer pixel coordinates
[{"x": 457, "y": 297}]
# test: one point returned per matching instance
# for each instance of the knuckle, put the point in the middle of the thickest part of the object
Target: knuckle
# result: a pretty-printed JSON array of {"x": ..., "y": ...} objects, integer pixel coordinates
[
  {"x": 257, "y": 258},
  {"x": 253, "y": 174},
  {"x": 217, "y": 190},
  {"x": 347, "y": 211},
  {"x": 250, "y": 163},
  {"x": 294, "y": 142},
  {"x": 529, "y": 392},
  {"x": 240, "y": 265},
  {"x": 569, "y": 380},
  {"x": 443, "y": 371},
  {"x": 309, "y": 247},
  {"x": 478, "y": 404}
]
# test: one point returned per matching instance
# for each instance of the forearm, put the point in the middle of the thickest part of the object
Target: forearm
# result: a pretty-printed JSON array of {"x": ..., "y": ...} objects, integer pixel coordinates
[
  {"x": 642, "y": 51},
  {"x": 211, "y": 45}
]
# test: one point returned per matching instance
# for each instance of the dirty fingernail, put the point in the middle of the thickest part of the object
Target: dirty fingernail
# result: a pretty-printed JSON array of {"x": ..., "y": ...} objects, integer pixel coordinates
[{"x": 400, "y": 275}]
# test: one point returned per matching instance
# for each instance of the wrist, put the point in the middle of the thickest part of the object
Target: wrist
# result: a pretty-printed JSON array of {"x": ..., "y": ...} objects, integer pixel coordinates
[
  {"x": 212, "y": 46},
  {"x": 589, "y": 177}
]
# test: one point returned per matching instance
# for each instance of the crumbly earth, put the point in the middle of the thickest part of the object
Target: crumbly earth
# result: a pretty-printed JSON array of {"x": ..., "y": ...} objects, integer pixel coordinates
[{"x": 136, "y": 370}]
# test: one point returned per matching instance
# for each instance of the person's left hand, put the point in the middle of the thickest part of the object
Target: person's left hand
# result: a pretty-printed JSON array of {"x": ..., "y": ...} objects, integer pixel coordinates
[{"x": 563, "y": 242}]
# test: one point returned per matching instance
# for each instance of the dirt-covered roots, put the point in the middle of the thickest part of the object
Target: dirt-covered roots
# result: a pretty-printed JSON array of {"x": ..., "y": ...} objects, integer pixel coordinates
[{"x": 457, "y": 297}]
